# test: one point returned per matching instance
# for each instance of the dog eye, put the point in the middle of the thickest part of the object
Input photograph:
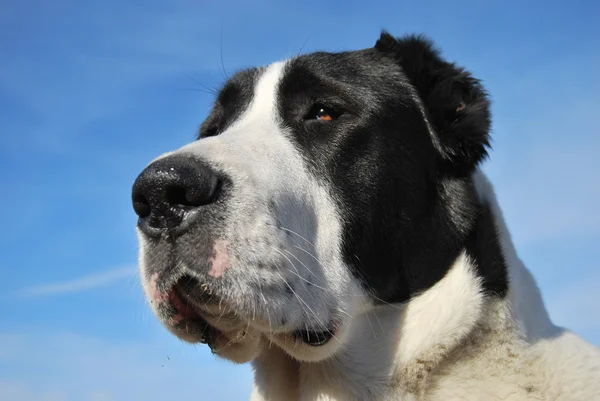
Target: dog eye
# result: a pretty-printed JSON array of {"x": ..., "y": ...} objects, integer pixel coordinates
[
  {"x": 324, "y": 115},
  {"x": 321, "y": 112}
]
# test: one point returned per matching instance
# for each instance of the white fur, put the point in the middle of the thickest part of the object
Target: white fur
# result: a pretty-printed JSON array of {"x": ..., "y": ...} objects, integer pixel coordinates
[
  {"x": 448, "y": 343},
  {"x": 268, "y": 170}
]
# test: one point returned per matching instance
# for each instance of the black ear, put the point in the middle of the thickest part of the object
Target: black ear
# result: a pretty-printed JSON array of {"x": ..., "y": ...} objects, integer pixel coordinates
[{"x": 456, "y": 104}]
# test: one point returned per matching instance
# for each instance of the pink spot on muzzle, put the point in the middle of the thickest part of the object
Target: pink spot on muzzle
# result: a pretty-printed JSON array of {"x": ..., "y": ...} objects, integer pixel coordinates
[
  {"x": 157, "y": 296},
  {"x": 219, "y": 261}
]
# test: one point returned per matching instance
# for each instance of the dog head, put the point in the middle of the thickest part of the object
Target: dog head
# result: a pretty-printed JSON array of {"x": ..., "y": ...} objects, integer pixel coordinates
[{"x": 317, "y": 188}]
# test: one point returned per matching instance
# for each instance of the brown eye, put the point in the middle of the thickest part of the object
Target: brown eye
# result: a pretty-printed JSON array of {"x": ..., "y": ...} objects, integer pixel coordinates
[
  {"x": 321, "y": 112},
  {"x": 324, "y": 115}
]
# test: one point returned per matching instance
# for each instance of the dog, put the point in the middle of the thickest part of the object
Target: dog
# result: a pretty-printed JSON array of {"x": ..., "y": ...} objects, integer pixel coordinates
[{"x": 331, "y": 226}]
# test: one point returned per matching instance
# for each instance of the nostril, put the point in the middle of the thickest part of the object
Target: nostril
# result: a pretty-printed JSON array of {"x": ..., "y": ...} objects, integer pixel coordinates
[
  {"x": 177, "y": 196},
  {"x": 194, "y": 191},
  {"x": 209, "y": 194},
  {"x": 191, "y": 196},
  {"x": 141, "y": 206}
]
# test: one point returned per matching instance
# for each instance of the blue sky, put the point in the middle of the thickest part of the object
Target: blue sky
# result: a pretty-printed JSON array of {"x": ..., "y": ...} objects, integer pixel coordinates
[{"x": 91, "y": 91}]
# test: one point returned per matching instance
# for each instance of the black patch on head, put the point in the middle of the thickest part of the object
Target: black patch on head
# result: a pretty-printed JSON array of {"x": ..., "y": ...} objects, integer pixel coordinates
[
  {"x": 455, "y": 102},
  {"x": 407, "y": 200},
  {"x": 233, "y": 99}
]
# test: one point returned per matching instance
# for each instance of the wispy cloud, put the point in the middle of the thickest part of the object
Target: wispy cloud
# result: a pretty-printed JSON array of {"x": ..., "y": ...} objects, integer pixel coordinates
[
  {"x": 75, "y": 367},
  {"x": 80, "y": 284}
]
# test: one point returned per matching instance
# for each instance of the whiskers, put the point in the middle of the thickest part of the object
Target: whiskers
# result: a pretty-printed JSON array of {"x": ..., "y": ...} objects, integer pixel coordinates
[
  {"x": 303, "y": 304},
  {"x": 202, "y": 87},
  {"x": 310, "y": 251},
  {"x": 298, "y": 235}
]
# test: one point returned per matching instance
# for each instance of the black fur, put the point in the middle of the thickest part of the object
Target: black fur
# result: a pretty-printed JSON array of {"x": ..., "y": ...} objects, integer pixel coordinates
[
  {"x": 456, "y": 103},
  {"x": 232, "y": 100},
  {"x": 405, "y": 193}
]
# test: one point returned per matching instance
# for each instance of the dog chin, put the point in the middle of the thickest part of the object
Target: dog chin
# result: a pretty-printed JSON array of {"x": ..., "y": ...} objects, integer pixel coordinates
[
  {"x": 203, "y": 317},
  {"x": 242, "y": 343}
]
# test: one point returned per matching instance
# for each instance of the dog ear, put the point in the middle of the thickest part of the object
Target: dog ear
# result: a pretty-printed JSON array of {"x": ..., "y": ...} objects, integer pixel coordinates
[{"x": 456, "y": 104}]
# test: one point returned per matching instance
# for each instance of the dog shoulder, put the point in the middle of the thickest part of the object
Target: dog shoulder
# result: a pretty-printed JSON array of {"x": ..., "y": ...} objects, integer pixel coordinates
[{"x": 568, "y": 366}]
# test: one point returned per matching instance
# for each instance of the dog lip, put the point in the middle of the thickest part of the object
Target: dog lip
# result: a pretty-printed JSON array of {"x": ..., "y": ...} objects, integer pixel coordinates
[
  {"x": 314, "y": 338},
  {"x": 188, "y": 319},
  {"x": 198, "y": 328},
  {"x": 182, "y": 308},
  {"x": 194, "y": 293}
]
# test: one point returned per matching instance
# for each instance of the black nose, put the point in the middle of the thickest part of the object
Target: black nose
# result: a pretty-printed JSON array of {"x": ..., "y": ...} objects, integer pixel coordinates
[{"x": 168, "y": 191}]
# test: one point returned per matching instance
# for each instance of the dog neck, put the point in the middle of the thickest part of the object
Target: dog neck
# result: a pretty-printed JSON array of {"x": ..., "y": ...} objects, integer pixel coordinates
[{"x": 397, "y": 348}]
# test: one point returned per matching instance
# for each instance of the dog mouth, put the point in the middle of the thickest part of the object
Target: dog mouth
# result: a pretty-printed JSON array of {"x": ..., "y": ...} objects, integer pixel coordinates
[
  {"x": 313, "y": 338},
  {"x": 188, "y": 299},
  {"x": 183, "y": 309},
  {"x": 192, "y": 293},
  {"x": 186, "y": 318}
]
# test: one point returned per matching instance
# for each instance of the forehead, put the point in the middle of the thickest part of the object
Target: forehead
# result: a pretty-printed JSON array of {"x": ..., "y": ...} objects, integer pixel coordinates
[
  {"x": 360, "y": 80},
  {"x": 365, "y": 70},
  {"x": 349, "y": 67}
]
